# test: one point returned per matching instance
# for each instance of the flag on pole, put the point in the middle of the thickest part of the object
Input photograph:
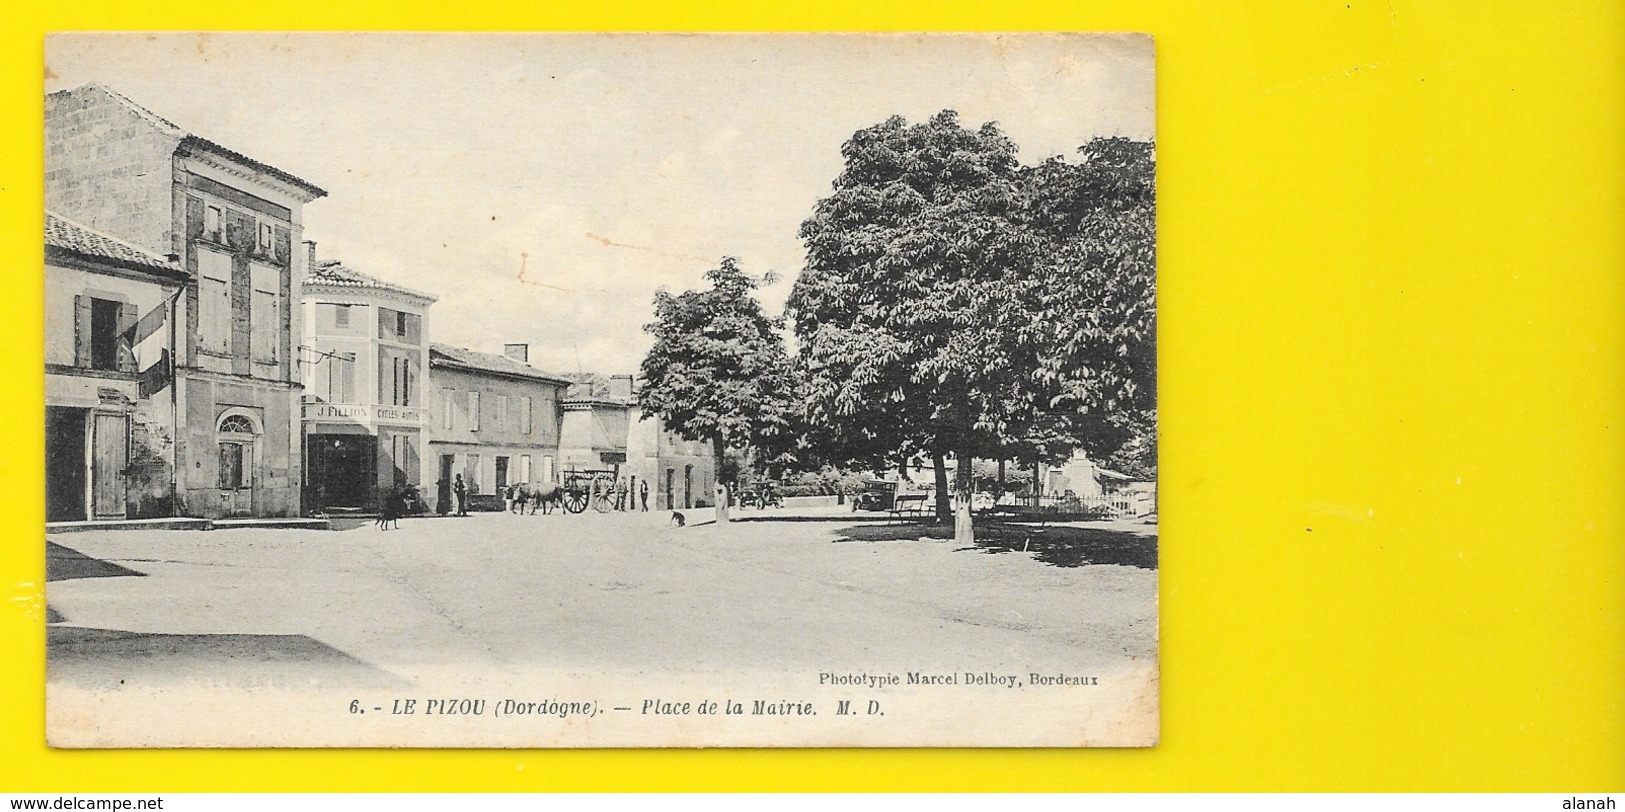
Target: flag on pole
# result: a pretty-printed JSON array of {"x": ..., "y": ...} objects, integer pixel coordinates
[
  {"x": 154, "y": 378},
  {"x": 148, "y": 324}
]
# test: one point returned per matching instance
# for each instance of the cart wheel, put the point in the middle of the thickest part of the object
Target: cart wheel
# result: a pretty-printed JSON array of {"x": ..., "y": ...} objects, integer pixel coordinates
[{"x": 575, "y": 501}]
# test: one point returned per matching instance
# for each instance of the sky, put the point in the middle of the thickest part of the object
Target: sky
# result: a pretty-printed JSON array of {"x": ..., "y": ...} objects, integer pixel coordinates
[{"x": 543, "y": 186}]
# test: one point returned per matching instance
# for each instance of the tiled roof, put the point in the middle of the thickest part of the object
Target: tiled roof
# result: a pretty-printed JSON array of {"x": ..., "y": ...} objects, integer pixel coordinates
[
  {"x": 333, "y": 273},
  {"x": 590, "y": 387},
  {"x": 445, "y": 355},
  {"x": 204, "y": 144},
  {"x": 72, "y": 238}
]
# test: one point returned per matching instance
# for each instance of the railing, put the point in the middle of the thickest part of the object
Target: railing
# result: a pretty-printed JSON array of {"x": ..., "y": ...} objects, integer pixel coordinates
[{"x": 1121, "y": 505}]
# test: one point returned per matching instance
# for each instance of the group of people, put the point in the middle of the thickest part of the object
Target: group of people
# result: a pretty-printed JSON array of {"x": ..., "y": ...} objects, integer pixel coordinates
[{"x": 626, "y": 499}]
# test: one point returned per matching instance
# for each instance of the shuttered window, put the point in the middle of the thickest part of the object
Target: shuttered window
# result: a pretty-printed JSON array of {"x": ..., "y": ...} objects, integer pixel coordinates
[
  {"x": 341, "y": 379},
  {"x": 265, "y": 317},
  {"x": 214, "y": 301},
  {"x": 397, "y": 377}
]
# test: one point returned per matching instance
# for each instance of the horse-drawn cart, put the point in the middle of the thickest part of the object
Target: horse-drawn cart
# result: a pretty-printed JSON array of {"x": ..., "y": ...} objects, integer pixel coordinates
[
  {"x": 590, "y": 486},
  {"x": 576, "y": 490}
]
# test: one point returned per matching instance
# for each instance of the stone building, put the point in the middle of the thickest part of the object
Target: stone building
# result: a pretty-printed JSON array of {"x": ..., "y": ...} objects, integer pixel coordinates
[
  {"x": 109, "y": 407},
  {"x": 365, "y": 411},
  {"x": 596, "y": 417},
  {"x": 494, "y": 419},
  {"x": 231, "y": 223},
  {"x": 605, "y": 429}
]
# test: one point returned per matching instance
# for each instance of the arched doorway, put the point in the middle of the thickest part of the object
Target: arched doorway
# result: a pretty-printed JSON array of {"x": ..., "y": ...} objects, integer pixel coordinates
[{"x": 237, "y": 437}]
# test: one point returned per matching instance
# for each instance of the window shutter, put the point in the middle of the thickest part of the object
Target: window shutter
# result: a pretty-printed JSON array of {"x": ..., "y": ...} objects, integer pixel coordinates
[
  {"x": 81, "y": 331},
  {"x": 127, "y": 317}
]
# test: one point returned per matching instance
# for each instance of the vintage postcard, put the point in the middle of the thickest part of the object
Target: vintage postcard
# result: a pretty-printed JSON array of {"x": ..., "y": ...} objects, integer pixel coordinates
[{"x": 503, "y": 390}]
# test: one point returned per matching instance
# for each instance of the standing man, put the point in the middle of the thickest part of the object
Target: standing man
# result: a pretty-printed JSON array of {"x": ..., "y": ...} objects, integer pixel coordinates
[
  {"x": 620, "y": 494},
  {"x": 643, "y": 494},
  {"x": 461, "y": 491}
]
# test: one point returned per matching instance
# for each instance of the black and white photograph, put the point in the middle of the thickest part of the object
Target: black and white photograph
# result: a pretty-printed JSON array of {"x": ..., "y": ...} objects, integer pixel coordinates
[{"x": 600, "y": 390}]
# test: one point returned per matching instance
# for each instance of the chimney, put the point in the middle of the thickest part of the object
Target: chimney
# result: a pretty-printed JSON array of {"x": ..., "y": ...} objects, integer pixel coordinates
[
  {"x": 620, "y": 386},
  {"x": 310, "y": 255},
  {"x": 517, "y": 352}
]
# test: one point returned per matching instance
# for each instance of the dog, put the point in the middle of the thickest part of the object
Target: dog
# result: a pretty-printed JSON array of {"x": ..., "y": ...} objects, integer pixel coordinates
[
  {"x": 390, "y": 512},
  {"x": 678, "y": 519}
]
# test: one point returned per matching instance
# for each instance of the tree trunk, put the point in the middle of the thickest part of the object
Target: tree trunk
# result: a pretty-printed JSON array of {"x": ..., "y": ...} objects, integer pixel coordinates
[
  {"x": 722, "y": 484},
  {"x": 944, "y": 512},
  {"x": 999, "y": 491},
  {"x": 964, "y": 535}
]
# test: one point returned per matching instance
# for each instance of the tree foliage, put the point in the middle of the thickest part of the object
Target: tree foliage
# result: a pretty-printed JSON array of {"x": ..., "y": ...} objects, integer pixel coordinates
[
  {"x": 718, "y": 371},
  {"x": 956, "y": 302},
  {"x": 1098, "y": 312},
  {"x": 908, "y": 307}
]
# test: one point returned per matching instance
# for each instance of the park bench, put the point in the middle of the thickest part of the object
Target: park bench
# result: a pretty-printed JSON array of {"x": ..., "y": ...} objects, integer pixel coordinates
[
  {"x": 908, "y": 505},
  {"x": 1042, "y": 513}
]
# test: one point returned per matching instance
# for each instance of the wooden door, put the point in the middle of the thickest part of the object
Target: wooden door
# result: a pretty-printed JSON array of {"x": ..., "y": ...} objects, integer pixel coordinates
[{"x": 109, "y": 457}]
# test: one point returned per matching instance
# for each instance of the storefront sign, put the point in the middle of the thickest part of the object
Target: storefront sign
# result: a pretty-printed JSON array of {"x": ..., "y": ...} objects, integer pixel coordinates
[{"x": 362, "y": 413}]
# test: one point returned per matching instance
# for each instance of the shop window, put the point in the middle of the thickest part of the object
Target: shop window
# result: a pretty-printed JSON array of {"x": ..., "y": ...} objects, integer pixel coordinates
[{"x": 404, "y": 459}]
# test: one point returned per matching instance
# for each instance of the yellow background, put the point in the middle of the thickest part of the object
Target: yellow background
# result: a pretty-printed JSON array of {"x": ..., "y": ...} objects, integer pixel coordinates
[{"x": 1393, "y": 333}]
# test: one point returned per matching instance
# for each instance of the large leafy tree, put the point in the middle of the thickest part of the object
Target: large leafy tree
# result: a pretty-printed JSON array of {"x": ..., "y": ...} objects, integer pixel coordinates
[
  {"x": 1097, "y": 299},
  {"x": 718, "y": 371},
  {"x": 910, "y": 309}
]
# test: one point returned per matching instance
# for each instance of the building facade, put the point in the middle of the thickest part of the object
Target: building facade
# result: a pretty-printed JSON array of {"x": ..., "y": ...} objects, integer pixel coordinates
[
  {"x": 365, "y": 362},
  {"x": 604, "y": 429},
  {"x": 109, "y": 407},
  {"x": 494, "y": 420},
  {"x": 231, "y": 223},
  {"x": 597, "y": 414}
]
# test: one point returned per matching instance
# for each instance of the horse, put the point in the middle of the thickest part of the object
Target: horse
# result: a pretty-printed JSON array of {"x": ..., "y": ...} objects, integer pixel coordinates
[{"x": 540, "y": 494}]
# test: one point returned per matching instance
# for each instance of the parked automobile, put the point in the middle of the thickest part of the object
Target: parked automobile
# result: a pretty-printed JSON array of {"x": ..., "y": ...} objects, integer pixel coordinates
[
  {"x": 763, "y": 496},
  {"x": 876, "y": 494}
]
